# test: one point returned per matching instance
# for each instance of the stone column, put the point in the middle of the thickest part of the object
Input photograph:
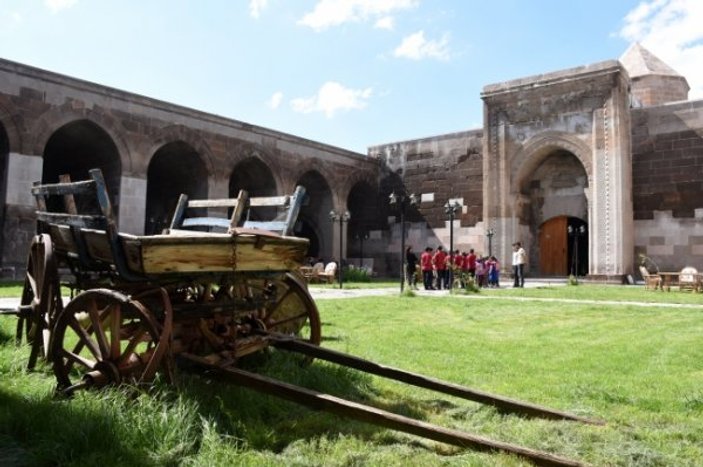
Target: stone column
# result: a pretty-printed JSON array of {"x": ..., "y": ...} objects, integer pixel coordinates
[
  {"x": 19, "y": 223},
  {"x": 132, "y": 205}
]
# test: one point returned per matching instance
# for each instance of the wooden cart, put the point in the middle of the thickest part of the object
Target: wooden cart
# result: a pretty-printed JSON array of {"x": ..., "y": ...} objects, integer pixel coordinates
[{"x": 142, "y": 303}]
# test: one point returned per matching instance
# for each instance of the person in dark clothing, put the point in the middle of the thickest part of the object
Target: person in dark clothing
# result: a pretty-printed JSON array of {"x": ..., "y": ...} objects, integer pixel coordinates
[{"x": 410, "y": 267}]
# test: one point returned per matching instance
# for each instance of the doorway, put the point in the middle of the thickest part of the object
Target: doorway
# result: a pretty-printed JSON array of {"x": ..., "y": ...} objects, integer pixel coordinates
[{"x": 563, "y": 247}]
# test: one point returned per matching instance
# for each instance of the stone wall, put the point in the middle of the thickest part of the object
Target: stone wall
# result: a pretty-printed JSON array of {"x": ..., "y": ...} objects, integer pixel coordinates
[
  {"x": 439, "y": 169},
  {"x": 667, "y": 166}
]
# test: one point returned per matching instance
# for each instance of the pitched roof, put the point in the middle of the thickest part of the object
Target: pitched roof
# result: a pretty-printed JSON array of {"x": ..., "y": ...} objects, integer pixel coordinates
[{"x": 639, "y": 61}]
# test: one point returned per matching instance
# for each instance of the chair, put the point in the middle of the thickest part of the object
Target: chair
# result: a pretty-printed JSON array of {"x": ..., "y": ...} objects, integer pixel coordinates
[
  {"x": 651, "y": 281},
  {"x": 329, "y": 273},
  {"x": 688, "y": 279},
  {"x": 317, "y": 269}
]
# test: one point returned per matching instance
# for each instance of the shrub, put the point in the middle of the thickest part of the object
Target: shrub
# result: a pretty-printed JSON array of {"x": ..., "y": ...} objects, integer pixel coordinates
[{"x": 356, "y": 275}]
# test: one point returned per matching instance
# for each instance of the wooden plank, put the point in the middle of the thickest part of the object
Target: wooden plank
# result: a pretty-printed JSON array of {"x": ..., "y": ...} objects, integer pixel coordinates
[
  {"x": 276, "y": 226},
  {"x": 269, "y": 201},
  {"x": 69, "y": 201},
  {"x": 553, "y": 247},
  {"x": 84, "y": 187},
  {"x": 328, "y": 403},
  {"x": 221, "y": 254},
  {"x": 503, "y": 403},
  {"x": 80, "y": 221},
  {"x": 238, "y": 210},
  {"x": 213, "y": 203},
  {"x": 206, "y": 222}
]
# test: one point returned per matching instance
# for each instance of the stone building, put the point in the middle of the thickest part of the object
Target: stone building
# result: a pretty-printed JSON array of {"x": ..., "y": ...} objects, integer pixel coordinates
[
  {"x": 611, "y": 152},
  {"x": 588, "y": 167}
]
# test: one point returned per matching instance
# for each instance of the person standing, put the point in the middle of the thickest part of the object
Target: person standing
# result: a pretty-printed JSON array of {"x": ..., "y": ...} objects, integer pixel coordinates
[
  {"x": 471, "y": 263},
  {"x": 519, "y": 260},
  {"x": 426, "y": 266},
  {"x": 439, "y": 262},
  {"x": 410, "y": 266}
]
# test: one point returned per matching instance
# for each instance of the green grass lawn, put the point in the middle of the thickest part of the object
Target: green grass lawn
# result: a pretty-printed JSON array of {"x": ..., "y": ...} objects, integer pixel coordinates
[{"x": 638, "y": 368}]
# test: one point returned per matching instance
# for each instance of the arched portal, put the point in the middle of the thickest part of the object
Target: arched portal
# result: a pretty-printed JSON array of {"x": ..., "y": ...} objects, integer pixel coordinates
[
  {"x": 314, "y": 216},
  {"x": 362, "y": 205},
  {"x": 554, "y": 198},
  {"x": 174, "y": 169},
  {"x": 77, "y": 147}
]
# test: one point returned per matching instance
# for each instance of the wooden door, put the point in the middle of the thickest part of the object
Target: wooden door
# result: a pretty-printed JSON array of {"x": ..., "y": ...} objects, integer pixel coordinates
[{"x": 553, "y": 247}]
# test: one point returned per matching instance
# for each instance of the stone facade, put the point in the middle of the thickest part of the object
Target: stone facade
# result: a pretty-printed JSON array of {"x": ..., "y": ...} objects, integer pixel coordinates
[
  {"x": 667, "y": 166},
  {"x": 610, "y": 152}
]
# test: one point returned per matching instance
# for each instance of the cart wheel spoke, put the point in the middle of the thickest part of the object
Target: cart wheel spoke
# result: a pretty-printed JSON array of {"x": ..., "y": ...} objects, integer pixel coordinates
[
  {"x": 75, "y": 358},
  {"x": 115, "y": 326},
  {"x": 96, "y": 323},
  {"x": 84, "y": 338},
  {"x": 106, "y": 349}
]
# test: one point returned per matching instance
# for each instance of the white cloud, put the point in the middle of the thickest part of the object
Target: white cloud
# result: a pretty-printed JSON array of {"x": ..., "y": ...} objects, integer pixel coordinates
[
  {"x": 386, "y": 22},
  {"x": 57, "y": 5},
  {"x": 275, "y": 100},
  {"x": 416, "y": 47},
  {"x": 256, "y": 7},
  {"x": 16, "y": 17},
  {"x": 672, "y": 30},
  {"x": 328, "y": 13},
  {"x": 331, "y": 98}
]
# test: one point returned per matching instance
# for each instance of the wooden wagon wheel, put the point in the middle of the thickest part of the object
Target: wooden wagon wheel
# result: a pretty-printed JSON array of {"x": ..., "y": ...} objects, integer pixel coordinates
[
  {"x": 295, "y": 312},
  {"x": 103, "y": 337},
  {"x": 41, "y": 298}
]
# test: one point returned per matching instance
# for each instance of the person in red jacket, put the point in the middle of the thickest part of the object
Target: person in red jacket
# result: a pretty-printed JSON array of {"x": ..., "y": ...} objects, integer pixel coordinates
[
  {"x": 426, "y": 266},
  {"x": 471, "y": 263},
  {"x": 439, "y": 263}
]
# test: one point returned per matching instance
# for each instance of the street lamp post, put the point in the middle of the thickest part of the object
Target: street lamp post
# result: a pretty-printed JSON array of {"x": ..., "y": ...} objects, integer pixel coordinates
[
  {"x": 341, "y": 218},
  {"x": 450, "y": 209},
  {"x": 576, "y": 232},
  {"x": 490, "y": 233},
  {"x": 402, "y": 200}
]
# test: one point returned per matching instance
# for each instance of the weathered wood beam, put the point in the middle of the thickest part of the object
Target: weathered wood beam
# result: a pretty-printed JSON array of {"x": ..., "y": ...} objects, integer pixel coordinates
[
  {"x": 320, "y": 401},
  {"x": 502, "y": 403}
]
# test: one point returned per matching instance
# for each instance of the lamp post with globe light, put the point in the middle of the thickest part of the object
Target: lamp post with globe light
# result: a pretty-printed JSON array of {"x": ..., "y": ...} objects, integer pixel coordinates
[{"x": 402, "y": 201}]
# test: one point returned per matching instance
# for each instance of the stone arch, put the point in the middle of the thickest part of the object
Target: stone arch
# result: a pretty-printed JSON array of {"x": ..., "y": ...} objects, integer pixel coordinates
[
  {"x": 49, "y": 122},
  {"x": 314, "y": 216},
  {"x": 246, "y": 153},
  {"x": 535, "y": 150},
  {"x": 184, "y": 134},
  {"x": 318, "y": 166},
  {"x": 362, "y": 204},
  {"x": 175, "y": 168},
  {"x": 255, "y": 176},
  {"x": 78, "y": 146},
  {"x": 11, "y": 130}
]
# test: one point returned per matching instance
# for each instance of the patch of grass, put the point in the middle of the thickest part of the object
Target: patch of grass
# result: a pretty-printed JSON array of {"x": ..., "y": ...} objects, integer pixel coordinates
[{"x": 638, "y": 368}]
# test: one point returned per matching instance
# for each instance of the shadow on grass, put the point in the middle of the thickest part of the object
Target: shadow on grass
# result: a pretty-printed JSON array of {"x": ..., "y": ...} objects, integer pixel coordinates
[{"x": 50, "y": 432}]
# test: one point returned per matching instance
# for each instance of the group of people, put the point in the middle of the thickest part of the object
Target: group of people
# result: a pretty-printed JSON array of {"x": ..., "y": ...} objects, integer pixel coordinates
[{"x": 439, "y": 268}]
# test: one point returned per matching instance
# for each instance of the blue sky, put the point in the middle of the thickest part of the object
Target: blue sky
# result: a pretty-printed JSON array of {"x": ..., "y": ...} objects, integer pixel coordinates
[{"x": 350, "y": 73}]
